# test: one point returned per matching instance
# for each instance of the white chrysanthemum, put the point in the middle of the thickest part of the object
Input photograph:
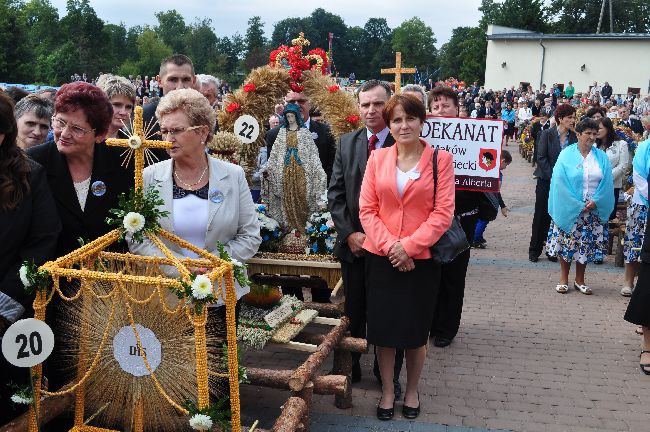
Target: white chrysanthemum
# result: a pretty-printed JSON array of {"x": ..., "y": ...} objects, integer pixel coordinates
[
  {"x": 201, "y": 287},
  {"x": 236, "y": 263},
  {"x": 201, "y": 422},
  {"x": 133, "y": 222},
  {"x": 17, "y": 399},
  {"x": 23, "y": 276}
]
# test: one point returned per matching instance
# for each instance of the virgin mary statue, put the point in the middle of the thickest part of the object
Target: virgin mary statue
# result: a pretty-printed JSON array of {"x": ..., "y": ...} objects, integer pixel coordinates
[{"x": 295, "y": 178}]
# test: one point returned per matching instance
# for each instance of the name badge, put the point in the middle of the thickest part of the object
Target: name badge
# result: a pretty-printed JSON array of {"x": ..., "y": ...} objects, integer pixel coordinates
[
  {"x": 414, "y": 175},
  {"x": 98, "y": 188},
  {"x": 216, "y": 196}
]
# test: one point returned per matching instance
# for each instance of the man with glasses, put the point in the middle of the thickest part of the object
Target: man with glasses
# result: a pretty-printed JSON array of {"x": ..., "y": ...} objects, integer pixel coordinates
[{"x": 324, "y": 141}]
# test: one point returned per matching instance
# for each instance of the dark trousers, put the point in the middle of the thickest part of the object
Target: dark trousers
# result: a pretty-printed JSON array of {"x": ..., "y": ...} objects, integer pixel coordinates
[
  {"x": 616, "y": 192},
  {"x": 354, "y": 287},
  {"x": 451, "y": 293},
  {"x": 541, "y": 219}
]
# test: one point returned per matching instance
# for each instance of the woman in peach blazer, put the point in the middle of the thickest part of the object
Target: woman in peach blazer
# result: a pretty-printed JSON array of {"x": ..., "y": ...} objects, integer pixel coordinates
[{"x": 401, "y": 224}]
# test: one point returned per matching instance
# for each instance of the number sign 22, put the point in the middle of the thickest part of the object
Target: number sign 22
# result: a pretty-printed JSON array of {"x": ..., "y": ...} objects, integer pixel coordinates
[{"x": 247, "y": 129}]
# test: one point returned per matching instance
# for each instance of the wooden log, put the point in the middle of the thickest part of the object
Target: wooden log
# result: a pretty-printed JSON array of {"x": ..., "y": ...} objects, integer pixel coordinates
[
  {"x": 348, "y": 343},
  {"x": 279, "y": 379},
  {"x": 343, "y": 366},
  {"x": 51, "y": 407},
  {"x": 306, "y": 394},
  {"x": 291, "y": 417},
  {"x": 305, "y": 371},
  {"x": 329, "y": 310}
]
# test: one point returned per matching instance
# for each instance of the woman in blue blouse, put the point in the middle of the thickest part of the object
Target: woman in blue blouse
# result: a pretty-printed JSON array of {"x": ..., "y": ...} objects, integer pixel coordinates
[
  {"x": 580, "y": 202},
  {"x": 508, "y": 117}
]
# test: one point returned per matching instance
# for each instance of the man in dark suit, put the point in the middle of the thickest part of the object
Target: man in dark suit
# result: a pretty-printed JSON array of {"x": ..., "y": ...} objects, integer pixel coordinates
[
  {"x": 551, "y": 142},
  {"x": 324, "y": 140},
  {"x": 176, "y": 72},
  {"x": 634, "y": 124},
  {"x": 343, "y": 202},
  {"x": 319, "y": 131},
  {"x": 537, "y": 129},
  {"x": 606, "y": 91}
]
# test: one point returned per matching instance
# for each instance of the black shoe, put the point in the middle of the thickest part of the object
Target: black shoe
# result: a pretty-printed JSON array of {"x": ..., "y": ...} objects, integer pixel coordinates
[
  {"x": 533, "y": 258},
  {"x": 441, "y": 342},
  {"x": 356, "y": 372},
  {"x": 398, "y": 389},
  {"x": 385, "y": 413},
  {"x": 409, "y": 412},
  {"x": 551, "y": 258}
]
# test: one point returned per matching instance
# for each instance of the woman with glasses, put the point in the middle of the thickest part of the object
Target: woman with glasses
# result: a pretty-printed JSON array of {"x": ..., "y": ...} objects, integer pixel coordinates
[
  {"x": 85, "y": 175},
  {"x": 208, "y": 200}
]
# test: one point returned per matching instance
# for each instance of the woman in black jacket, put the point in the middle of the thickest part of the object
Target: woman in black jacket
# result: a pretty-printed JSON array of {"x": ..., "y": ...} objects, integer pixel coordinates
[{"x": 29, "y": 227}]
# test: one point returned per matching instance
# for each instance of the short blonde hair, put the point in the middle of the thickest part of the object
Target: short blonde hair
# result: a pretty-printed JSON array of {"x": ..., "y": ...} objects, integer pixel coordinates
[
  {"x": 115, "y": 85},
  {"x": 193, "y": 104}
]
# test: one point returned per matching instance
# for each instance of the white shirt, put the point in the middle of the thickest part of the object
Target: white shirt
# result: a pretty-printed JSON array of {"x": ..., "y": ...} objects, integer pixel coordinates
[
  {"x": 591, "y": 176},
  {"x": 404, "y": 177},
  {"x": 81, "y": 189},
  {"x": 191, "y": 220},
  {"x": 525, "y": 113},
  {"x": 381, "y": 136}
]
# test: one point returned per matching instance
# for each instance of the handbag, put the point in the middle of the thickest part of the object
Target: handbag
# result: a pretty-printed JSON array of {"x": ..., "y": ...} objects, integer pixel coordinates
[{"x": 453, "y": 242}]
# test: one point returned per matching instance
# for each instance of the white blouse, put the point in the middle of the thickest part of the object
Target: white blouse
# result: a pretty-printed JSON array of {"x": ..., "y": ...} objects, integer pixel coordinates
[
  {"x": 81, "y": 189},
  {"x": 404, "y": 177},
  {"x": 591, "y": 176},
  {"x": 191, "y": 220}
]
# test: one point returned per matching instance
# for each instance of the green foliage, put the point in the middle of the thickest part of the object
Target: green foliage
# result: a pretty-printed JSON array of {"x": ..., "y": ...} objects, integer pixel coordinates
[
  {"x": 37, "y": 280},
  {"x": 15, "y": 56},
  {"x": 416, "y": 41},
  {"x": 219, "y": 412},
  {"x": 151, "y": 49},
  {"x": 574, "y": 16},
  {"x": 201, "y": 45},
  {"x": 464, "y": 55},
  {"x": 254, "y": 34},
  {"x": 241, "y": 370},
  {"x": 521, "y": 14},
  {"x": 147, "y": 204},
  {"x": 239, "y": 269},
  {"x": 171, "y": 29}
]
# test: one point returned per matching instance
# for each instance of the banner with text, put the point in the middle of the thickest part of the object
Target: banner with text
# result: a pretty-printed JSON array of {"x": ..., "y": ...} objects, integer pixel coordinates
[{"x": 475, "y": 145}]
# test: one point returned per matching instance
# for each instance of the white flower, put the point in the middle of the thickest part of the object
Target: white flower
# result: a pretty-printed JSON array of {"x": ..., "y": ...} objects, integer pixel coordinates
[
  {"x": 236, "y": 263},
  {"x": 133, "y": 222},
  {"x": 23, "y": 276},
  {"x": 17, "y": 399},
  {"x": 201, "y": 422},
  {"x": 201, "y": 287}
]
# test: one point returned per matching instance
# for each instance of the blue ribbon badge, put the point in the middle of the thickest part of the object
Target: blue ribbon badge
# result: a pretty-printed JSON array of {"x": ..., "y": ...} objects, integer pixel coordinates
[
  {"x": 98, "y": 188},
  {"x": 216, "y": 196}
]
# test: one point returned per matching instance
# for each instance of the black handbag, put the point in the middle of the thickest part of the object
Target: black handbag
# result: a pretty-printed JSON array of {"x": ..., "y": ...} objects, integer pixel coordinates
[
  {"x": 453, "y": 242},
  {"x": 488, "y": 206}
]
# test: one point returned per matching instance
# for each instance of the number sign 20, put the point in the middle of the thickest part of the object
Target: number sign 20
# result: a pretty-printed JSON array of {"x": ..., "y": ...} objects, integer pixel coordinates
[{"x": 27, "y": 342}]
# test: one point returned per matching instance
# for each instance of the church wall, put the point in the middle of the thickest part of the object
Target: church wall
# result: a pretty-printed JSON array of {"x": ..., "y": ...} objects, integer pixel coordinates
[{"x": 624, "y": 63}]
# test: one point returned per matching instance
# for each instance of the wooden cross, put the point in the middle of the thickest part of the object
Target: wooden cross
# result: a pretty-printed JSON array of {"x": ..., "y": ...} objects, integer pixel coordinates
[
  {"x": 139, "y": 143},
  {"x": 398, "y": 70}
]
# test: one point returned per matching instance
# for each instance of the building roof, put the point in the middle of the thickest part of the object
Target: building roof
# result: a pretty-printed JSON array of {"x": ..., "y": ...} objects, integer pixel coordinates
[{"x": 589, "y": 36}]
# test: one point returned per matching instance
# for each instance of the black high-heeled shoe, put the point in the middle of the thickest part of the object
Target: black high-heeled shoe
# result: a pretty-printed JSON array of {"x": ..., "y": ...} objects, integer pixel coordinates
[
  {"x": 410, "y": 412},
  {"x": 645, "y": 367},
  {"x": 385, "y": 413}
]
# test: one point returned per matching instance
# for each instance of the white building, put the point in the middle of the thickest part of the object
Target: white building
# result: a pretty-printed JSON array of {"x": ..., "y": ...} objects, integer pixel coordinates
[{"x": 517, "y": 56}]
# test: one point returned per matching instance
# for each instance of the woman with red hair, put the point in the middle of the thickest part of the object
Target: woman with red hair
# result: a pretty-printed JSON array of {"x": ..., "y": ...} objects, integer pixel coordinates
[{"x": 85, "y": 175}]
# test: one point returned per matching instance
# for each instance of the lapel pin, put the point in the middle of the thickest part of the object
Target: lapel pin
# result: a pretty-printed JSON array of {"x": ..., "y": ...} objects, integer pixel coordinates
[
  {"x": 98, "y": 188},
  {"x": 216, "y": 196}
]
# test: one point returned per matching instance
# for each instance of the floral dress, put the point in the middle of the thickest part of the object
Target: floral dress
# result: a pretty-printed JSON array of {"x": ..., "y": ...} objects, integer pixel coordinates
[
  {"x": 637, "y": 214},
  {"x": 587, "y": 241}
]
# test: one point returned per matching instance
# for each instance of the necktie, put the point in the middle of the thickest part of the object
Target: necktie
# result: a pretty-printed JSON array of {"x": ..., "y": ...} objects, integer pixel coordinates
[{"x": 371, "y": 144}]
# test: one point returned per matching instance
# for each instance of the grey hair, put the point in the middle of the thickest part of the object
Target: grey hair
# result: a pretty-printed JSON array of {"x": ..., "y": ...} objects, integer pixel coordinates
[
  {"x": 645, "y": 119},
  {"x": 414, "y": 88},
  {"x": 115, "y": 85},
  {"x": 207, "y": 79},
  {"x": 39, "y": 105},
  {"x": 191, "y": 103}
]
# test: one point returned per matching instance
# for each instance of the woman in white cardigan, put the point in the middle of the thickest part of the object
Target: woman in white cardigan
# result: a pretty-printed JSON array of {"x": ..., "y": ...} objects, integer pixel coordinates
[
  {"x": 208, "y": 200},
  {"x": 617, "y": 152}
]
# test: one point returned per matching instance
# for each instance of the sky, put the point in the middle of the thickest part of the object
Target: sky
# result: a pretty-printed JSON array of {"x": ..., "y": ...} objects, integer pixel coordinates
[{"x": 232, "y": 16}]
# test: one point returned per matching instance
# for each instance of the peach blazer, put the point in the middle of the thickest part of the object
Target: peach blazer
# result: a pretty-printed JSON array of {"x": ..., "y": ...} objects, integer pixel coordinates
[{"x": 387, "y": 218}]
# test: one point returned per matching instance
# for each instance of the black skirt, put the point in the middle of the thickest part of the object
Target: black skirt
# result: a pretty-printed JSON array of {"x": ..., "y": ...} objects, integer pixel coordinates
[
  {"x": 638, "y": 310},
  {"x": 400, "y": 304}
]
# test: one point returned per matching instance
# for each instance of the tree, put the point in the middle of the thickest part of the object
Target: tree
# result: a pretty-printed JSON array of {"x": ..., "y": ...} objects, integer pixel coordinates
[
  {"x": 378, "y": 44},
  {"x": 172, "y": 29},
  {"x": 573, "y": 16},
  {"x": 254, "y": 34},
  {"x": 287, "y": 29},
  {"x": 116, "y": 54},
  {"x": 521, "y": 14},
  {"x": 152, "y": 50},
  {"x": 15, "y": 55},
  {"x": 201, "y": 45},
  {"x": 415, "y": 40},
  {"x": 322, "y": 23}
]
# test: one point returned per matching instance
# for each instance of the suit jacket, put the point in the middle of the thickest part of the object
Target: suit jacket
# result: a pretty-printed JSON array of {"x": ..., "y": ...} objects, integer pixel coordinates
[
  {"x": 28, "y": 232},
  {"x": 233, "y": 221},
  {"x": 90, "y": 223},
  {"x": 635, "y": 125},
  {"x": 548, "y": 149},
  {"x": 538, "y": 128},
  {"x": 149, "y": 117},
  {"x": 345, "y": 187},
  {"x": 410, "y": 219},
  {"x": 324, "y": 142}
]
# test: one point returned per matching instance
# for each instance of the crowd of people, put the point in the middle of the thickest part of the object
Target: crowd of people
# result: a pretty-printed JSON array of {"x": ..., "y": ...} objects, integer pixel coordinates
[{"x": 391, "y": 196}]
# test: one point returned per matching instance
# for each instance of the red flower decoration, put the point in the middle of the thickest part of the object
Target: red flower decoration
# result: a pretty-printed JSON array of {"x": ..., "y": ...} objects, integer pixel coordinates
[
  {"x": 333, "y": 89},
  {"x": 295, "y": 74},
  {"x": 353, "y": 119},
  {"x": 233, "y": 107},
  {"x": 250, "y": 87},
  {"x": 296, "y": 87}
]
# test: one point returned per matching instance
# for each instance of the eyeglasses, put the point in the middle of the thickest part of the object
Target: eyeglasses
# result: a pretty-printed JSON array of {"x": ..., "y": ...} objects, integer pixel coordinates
[
  {"x": 177, "y": 131},
  {"x": 297, "y": 101},
  {"x": 76, "y": 131}
]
